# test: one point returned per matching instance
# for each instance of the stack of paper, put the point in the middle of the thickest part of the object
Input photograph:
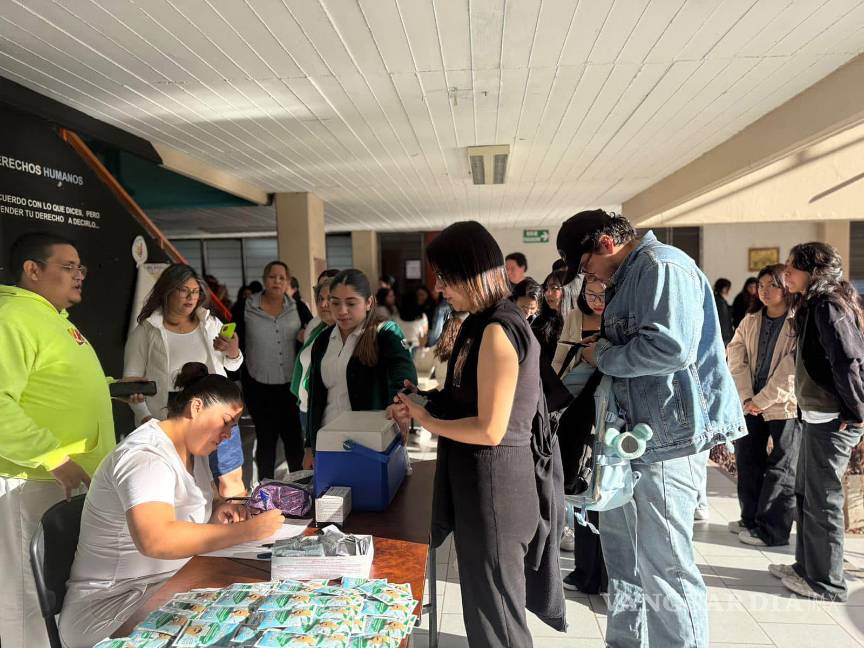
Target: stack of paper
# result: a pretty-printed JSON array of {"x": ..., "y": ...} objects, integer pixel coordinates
[{"x": 334, "y": 506}]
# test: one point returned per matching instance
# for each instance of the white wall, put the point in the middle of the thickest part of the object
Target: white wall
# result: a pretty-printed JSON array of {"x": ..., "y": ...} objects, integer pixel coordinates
[
  {"x": 724, "y": 247},
  {"x": 540, "y": 256}
]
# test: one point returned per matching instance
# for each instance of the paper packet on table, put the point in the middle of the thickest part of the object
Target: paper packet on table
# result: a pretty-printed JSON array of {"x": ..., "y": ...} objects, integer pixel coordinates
[
  {"x": 297, "y": 618},
  {"x": 280, "y": 639},
  {"x": 206, "y": 595},
  {"x": 373, "y": 608},
  {"x": 374, "y": 641},
  {"x": 129, "y": 642},
  {"x": 204, "y": 633},
  {"x": 170, "y": 622},
  {"x": 394, "y": 628},
  {"x": 225, "y": 614}
]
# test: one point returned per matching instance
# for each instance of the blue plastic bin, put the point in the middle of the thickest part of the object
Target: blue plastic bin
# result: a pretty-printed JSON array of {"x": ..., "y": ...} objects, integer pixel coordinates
[{"x": 374, "y": 477}]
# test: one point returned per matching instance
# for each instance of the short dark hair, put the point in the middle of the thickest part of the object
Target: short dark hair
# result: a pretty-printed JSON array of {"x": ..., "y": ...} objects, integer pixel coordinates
[
  {"x": 618, "y": 228},
  {"x": 519, "y": 258},
  {"x": 273, "y": 264},
  {"x": 527, "y": 288},
  {"x": 722, "y": 284},
  {"x": 466, "y": 255},
  {"x": 35, "y": 246}
]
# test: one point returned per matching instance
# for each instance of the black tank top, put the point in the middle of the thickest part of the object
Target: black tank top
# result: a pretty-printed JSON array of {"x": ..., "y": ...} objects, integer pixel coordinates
[{"x": 461, "y": 385}]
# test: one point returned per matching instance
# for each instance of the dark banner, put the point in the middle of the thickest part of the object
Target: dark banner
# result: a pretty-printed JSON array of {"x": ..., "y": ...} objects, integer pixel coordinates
[{"x": 46, "y": 186}]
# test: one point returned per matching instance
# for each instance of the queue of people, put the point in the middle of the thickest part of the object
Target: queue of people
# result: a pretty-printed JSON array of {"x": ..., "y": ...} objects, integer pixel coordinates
[{"x": 787, "y": 391}]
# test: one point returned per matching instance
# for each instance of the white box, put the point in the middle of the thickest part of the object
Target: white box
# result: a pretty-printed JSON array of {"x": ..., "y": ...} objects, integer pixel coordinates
[
  {"x": 330, "y": 567},
  {"x": 334, "y": 506},
  {"x": 370, "y": 429}
]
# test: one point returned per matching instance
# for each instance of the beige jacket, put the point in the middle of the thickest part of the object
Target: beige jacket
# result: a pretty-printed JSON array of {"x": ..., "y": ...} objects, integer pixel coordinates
[{"x": 777, "y": 398}]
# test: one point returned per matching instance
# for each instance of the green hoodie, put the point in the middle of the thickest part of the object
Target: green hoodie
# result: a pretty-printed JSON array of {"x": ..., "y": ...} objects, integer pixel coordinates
[{"x": 54, "y": 399}]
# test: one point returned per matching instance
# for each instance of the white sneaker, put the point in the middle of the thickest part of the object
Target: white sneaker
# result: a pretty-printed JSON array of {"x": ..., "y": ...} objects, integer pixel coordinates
[
  {"x": 800, "y": 587},
  {"x": 702, "y": 515},
  {"x": 736, "y": 527},
  {"x": 568, "y": 539},
  {"x": 750, "y": 537},
  {"x": 781, "y": 571}
]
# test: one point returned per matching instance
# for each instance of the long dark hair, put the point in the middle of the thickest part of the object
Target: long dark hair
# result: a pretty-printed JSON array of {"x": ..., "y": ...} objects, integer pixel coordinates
[
  {"x": 825, "y": 267},
  {"x": 172, "y": 278},
  {"x": 367, "y": 346},
  {"x": 776, "y": 273},
  {"x": 195, "y": 381},
  {"x": 549, "y": 322}
]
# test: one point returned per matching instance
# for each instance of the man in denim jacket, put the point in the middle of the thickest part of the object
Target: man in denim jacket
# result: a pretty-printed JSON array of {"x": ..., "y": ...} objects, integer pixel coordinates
[{"x": 660, "y": 341}]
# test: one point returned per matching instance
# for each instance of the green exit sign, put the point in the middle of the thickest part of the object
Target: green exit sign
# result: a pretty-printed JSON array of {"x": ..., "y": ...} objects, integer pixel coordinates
[{"x": 535, "y": 236}]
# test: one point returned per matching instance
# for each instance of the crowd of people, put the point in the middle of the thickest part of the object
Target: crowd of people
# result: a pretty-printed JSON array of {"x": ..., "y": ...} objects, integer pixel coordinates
[{"x": 517, "y": 364}]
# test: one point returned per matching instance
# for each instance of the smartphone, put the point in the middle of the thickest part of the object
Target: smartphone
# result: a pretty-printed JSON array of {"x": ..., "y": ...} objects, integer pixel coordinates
[
  {"x": 228, "y": 330},
  {"x": 125, "y": 389}
]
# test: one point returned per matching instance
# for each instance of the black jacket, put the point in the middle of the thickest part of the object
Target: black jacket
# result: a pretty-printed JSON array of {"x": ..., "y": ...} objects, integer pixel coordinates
[
  {"x": 724, "y": 313},
  {"x": 369, "y": 388},
  {"x": 832, "y": 350}
]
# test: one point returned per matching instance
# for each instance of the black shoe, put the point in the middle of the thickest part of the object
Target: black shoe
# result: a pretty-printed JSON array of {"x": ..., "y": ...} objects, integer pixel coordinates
[{"x": 571, "y": 582}]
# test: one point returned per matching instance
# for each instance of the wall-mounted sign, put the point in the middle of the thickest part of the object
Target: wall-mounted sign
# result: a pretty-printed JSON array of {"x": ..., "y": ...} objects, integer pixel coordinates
[
  {"x": 535, "y": 236},
  {"x": 413, "y": 269}
]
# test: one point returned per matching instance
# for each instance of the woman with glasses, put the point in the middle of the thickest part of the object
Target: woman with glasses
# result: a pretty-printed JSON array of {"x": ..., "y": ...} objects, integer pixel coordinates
[
  {"x": 762, "y": 361},
  {"x": 829, "y": 387},
  {"x": 548, "y": 324},
  {"x": 175, "y": 327},
  {"x": 273, "y": 323},
  {"x": 486, "y": 491}
]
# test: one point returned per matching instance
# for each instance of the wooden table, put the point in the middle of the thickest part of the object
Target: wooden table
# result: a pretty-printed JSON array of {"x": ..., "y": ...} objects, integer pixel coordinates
[{"x": 402, "y": 553}]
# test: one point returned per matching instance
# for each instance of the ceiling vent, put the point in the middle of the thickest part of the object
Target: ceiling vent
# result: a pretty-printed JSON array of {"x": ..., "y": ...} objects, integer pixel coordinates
[{"x": 488, "y": 163}]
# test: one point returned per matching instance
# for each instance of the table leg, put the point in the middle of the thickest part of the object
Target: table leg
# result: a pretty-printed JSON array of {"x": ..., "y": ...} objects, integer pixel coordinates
[{"x": 433, "y": 599}]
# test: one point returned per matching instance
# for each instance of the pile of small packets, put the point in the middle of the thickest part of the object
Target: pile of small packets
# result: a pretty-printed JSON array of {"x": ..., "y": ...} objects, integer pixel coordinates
[{"x": 356, "y": 613}]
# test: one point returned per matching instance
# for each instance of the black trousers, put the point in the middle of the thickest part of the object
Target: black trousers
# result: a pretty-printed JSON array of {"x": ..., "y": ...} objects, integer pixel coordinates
[
  {"x": 766, "y": 482},
  {"x": 496, "y": 512},
  {"x": 276, "y": 416},
  {"x": 825, "y": 452}
]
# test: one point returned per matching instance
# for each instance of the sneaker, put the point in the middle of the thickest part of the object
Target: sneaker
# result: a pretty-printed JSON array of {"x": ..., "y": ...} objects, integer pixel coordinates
[
  {"x": 570, "y": 582},
  {"x": 800, "y": 587},
  {"x": 701, "y": 515},
  {"x": 736, "y": 527},
  {"x": 568, "y": 539},
  {"x": 750, "y": 537},
  {"x": 781, "y": 571}
]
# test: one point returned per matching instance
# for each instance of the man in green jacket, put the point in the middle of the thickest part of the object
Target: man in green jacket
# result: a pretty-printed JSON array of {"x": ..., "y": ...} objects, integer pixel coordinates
[{"x": 55, "y": 414}]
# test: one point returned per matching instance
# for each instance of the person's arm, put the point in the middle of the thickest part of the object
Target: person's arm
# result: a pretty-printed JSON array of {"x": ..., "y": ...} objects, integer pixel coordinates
[
  {"x": 497, "y": 375},
  {"x": 135, "y": 364},
  {"x": 396, "y": 360},
  {"x": 780, "y": 387},
  {"x": 22, "y": 440},
  {"x": 739, "y": 362},
  {"x": 844, "y": 347},
  {"x": 668, "y": 330},
  {"x": 157, "y": 533}
]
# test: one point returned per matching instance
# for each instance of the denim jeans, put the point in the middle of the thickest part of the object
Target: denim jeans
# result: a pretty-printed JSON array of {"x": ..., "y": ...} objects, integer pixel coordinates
[
  {"x": 657, "y": 597},
  {"x": 822, "y": 462}
]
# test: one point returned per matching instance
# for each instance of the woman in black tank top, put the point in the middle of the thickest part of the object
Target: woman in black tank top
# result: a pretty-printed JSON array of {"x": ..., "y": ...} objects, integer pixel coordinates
[{"x": 485, "y": 488}]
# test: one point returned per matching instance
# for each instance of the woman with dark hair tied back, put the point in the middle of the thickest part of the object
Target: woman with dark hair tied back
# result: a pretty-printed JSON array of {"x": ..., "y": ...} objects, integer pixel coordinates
[
  {"x": 359, "y": 364},
  {"x": 762, "y": 362},
  {"x": 486, "y": 490},
  {"x": 744, "y": 300},
  {"x": 829, "y": 388},
  {"x": 150, "y": 508},
  {"x": 175, "y": 327},
  {"x": 273, "y": 322}
]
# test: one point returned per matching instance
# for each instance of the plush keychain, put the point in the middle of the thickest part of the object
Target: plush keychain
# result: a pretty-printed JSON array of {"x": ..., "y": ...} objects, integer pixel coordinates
[{"x": 628, "y": 445}]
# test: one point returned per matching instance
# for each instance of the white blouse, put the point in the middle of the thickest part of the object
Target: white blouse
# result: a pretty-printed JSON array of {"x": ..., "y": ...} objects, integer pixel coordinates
[{"x": 334, "y": 368}]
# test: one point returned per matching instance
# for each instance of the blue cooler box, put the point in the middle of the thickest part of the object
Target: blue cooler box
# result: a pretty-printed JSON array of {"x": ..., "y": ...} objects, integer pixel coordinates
[{"x": 361, "y": 450}]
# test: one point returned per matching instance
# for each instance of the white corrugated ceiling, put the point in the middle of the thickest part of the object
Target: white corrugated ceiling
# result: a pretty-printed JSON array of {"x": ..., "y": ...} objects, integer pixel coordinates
[{"x": 371, "y": 103}]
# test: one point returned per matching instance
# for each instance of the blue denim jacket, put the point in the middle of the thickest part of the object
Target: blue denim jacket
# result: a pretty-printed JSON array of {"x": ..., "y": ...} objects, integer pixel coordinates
[{"x": 663, "y": 348}]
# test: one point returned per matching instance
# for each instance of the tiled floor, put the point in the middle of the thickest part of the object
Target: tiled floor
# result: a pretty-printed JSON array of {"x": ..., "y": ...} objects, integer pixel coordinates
[{"x": 748, "y": 607}]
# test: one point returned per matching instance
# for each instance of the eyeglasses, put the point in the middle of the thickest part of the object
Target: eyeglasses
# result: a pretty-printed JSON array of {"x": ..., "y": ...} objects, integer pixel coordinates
[
  {"x": 189, "y": 292},
  {"x": 440, "y": 279},
  {"x": 595, "y": 298},
  {"x": 582, "y": 266},
  {"x": 71, "y": 268}
]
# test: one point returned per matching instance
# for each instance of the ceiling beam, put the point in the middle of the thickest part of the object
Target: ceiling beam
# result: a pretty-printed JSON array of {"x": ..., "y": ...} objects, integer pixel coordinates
[
  {"x": 194, "y": 168},
  {"x": 827, "y": 107}
]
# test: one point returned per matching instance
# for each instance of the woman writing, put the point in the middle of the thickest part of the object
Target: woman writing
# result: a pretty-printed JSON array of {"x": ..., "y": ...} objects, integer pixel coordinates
[
  {"x": 174, "y": 328},
  {"x": 150, "y": 508},
  {"x": 359, "y": 364},
  {"x": 485, "y": 488},
  {"x": 762, "y": 361},
  {"x": 272, "y": 323},
  {"x": 829, "y": 387}
]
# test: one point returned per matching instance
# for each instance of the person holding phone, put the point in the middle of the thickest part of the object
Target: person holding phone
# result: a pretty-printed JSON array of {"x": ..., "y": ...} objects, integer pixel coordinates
[
  {"x": 358, "y": 364},
  {"x": 150, "y": 508},
  {"x": 175, "y": 327},
  {"x": 486, "y": 491}
]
